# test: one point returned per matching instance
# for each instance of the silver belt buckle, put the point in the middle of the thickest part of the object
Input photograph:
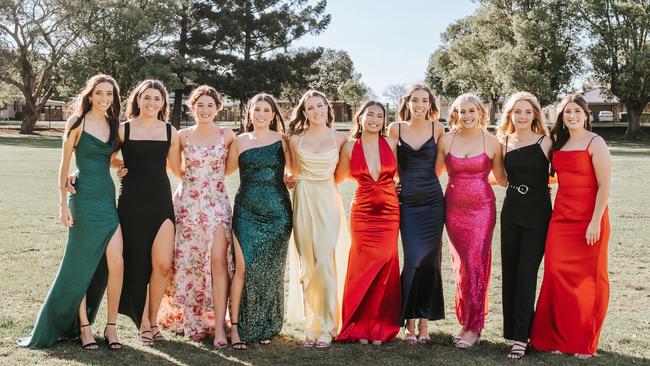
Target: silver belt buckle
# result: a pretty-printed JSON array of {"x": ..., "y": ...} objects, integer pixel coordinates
[{"x": 522, "y": 189}]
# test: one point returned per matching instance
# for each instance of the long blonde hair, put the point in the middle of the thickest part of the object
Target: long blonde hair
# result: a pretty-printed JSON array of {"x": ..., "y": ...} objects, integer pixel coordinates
[
  {"x": 454, "y": 123},
  {"x": 506, "y": 126}
]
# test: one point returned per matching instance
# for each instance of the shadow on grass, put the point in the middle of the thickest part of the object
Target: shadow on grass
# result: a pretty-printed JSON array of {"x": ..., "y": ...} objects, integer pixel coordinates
[
  {"x": 46, "y": 142},
  {"x": 289, "y": 350}
]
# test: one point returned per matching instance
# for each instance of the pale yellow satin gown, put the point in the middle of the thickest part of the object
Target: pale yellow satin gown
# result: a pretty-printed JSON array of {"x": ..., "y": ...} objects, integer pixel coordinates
[{"x": 319, "y": 259}]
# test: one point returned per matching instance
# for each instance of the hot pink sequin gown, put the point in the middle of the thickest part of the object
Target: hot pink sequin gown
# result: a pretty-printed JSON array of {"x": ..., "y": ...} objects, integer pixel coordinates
[{"x": 470, "y": 215}]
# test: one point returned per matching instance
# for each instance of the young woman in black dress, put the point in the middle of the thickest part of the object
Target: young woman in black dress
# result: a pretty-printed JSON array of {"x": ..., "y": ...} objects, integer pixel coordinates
[
  {"x": 145, "y": 207},
  {"x": 525, "y": 214}
]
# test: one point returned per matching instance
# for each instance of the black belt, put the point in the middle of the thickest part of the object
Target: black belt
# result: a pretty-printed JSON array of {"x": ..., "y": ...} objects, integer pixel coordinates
[{"x": 524, "y": 189}]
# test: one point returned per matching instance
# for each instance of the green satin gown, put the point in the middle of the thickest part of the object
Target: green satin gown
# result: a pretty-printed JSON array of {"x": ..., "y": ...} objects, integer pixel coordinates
[
  {"x": 262, "y": 224},
  {"x": 83, "y": 270}
]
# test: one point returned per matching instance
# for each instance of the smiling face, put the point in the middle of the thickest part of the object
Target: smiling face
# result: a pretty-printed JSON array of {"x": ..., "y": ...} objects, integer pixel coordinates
[
  {"x": 102, "y": 97},
  {"x": 419, "y": 104},
  {"x": 468, "y": 115},
  {"x": 573, "y": 116},
  {"x": 150, "y": 101},
  {"x": 261, "y": 114},
  {"x": 316, "y": 111},
  {"x": 205, "y": 109},
  {"x": 523, "y": 115},
  {"x": 372, "y": 119}
]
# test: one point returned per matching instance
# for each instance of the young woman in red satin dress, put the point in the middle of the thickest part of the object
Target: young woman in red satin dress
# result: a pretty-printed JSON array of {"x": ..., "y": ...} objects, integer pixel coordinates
[
  {"x": 469, "y": 153},
  {"x": 575, "y": 290},
  {"x": 371, "y": 299}
]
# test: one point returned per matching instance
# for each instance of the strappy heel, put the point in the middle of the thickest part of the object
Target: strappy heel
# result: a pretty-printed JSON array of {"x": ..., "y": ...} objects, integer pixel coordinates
[
  {"x": 113, "y": 346},
  {"x": 240, "y": 346},
  {"x": 157, "y": 336},
  {"x": 144, "y": 340},
  {"x": 90, "y": 346},
  {"x": 518, "y": 351}
]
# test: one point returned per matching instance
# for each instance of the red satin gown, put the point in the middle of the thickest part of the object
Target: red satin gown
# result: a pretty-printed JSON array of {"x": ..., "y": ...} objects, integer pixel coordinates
[
  {"x": 372, "y": 297},
  {"x": 575, "y": 290}
]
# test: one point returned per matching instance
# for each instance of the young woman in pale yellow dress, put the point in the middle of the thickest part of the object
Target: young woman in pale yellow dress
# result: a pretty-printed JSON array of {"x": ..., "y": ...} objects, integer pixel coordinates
[{"x": 320, "y": 231}]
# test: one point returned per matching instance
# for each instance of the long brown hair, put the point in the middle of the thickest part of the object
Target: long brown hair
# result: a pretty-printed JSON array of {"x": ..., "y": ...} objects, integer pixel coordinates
[
  {"x": 132, "y": 107},
  {"x": 298, "y": 123},
  {"x": 355, "y": 132},
  {"x": 82, "y": 105},
  {"x": 276, "y": 123},
  {"x": 559, "y": 132},
  {"x": 405, "y": 112},
  {"x": 506, "y": 126},
  {"x": 454, "y": 123}
]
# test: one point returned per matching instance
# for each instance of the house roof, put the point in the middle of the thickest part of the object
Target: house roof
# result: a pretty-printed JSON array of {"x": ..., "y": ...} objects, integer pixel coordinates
[{"x": 597, "y": 95}]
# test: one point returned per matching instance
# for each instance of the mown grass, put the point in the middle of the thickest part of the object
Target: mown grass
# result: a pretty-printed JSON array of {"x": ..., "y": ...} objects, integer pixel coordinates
[{"x": 32, "y": 242}]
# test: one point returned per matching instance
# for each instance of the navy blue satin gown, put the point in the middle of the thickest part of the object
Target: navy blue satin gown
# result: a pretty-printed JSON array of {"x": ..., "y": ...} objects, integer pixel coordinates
[{"x": 422, "y": 218}]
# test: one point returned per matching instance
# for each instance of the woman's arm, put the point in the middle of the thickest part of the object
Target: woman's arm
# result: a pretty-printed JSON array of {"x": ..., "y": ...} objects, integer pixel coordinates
[
  {"x": 343, "y": 167},
  {"x": 602, "y": 161},
  {"x": 174, "y": 155},
  {"x": 498, "y": 169},
  {"x": 441, "y": 154},
  {"x": 69, "y": 143},
  {"x": 232, "y": 162}
]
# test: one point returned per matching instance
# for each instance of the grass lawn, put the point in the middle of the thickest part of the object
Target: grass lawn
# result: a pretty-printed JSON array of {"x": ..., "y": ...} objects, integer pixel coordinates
[{"x": 32, "y": 242}]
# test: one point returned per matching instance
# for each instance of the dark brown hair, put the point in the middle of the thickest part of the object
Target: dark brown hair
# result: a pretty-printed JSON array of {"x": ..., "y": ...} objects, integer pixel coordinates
[
  {"x": 82, "y": 105},
  {"x": 202, "y": 90},
  {"x": 276, "y": 123},
  {"x": 298, "y": 123},
  {"x": 559, "y": 132},
  {"x": 355, "y": 132},
  {"x": 405, "y": 112},
  {"x": 132, "y": 107}
]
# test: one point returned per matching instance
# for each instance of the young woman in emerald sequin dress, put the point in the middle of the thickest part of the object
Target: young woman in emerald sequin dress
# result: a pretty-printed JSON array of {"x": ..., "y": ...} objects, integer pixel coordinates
[
  {"x": 94, "y": 230},
  {"x": 261, "y": 224}
]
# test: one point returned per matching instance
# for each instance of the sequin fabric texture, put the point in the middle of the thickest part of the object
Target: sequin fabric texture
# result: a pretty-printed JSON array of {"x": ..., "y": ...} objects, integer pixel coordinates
[
  {"x": 470, "y": 219},
  {"x": 262, "y": 226}
]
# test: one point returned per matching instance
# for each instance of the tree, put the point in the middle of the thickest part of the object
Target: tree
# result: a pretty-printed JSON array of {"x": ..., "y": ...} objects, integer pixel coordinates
[
  {"x": 334, "y": 67},
  {"x": 620, "y": 53},
  {"x": 353, "y": 91},
  {"x": 394, "y": 94},
  {"x": 34, "y": 37},
  {"x": 245, "y": 43}
]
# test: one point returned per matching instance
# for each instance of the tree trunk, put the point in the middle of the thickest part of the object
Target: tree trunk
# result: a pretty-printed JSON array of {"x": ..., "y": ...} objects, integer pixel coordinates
[
  {"x": 177, "y": 109},
  {"x": 493, "y": 110},
  {"x": 29, "y": 121},
  {"x": 241, "y": 116},
  {"x": 633, "y": 131}
]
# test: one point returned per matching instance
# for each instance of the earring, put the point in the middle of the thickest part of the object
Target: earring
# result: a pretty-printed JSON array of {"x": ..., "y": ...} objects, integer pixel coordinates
[{"x": 563, "y": 126}]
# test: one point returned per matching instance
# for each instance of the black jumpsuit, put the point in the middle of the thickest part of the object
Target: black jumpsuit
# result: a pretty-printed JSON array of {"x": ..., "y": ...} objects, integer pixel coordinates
[{"x": 524, "y": 221}]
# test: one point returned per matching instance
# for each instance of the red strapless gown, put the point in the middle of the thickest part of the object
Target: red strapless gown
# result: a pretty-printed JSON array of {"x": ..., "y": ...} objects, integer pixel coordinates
[
  {"x": 371, "y": 299},
  {"x": 575, "y": 290}
]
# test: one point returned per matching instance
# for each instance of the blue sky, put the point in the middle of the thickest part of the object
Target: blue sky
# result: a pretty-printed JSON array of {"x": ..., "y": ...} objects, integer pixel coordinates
[{"x": 389, "y": 41}]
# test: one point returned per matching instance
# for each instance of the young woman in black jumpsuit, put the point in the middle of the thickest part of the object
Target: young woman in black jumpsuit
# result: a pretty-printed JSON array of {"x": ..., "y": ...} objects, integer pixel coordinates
[{"x": 525, "y": 214}]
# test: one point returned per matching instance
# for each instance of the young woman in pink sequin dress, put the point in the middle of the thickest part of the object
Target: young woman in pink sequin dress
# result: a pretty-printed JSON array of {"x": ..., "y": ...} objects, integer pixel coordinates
[
  {"x": 197, "y": 293},
  {"x": 469, "y": 153}
]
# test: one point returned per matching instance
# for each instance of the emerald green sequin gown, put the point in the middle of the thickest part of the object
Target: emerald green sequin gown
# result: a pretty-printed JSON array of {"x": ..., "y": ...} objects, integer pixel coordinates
[
  {"x": 262, "y": 224},
  {"x": 83, "y": 270}
]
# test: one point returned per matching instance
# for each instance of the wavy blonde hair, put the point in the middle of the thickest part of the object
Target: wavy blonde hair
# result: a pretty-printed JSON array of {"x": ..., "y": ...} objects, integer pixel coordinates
[
  {"x": 506, "y": 125},
  {"x": 454, "y": 123},
  {"x": 298, "y": 123}
]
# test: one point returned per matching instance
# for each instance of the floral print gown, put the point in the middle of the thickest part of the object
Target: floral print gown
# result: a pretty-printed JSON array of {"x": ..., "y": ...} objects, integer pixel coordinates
[{"x": 201, "y": 204}]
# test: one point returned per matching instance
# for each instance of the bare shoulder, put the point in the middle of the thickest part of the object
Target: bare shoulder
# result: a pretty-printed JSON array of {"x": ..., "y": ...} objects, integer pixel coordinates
[
  {"x": 341, "y": 138},
  {"x": 446, "y": 138},
  {"x": 597, "y": 143}
]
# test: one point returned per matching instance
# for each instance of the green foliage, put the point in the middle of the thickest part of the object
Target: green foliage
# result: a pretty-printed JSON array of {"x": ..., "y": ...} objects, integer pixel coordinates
[
  {"x": 353, "y": 90},
  {"x": 335, "y": 67}
]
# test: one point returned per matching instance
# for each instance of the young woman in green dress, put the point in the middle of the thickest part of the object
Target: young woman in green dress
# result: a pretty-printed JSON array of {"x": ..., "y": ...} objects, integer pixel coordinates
[
  {"x": 261, "y": 224},
  {"x": 93, "y": 255}
]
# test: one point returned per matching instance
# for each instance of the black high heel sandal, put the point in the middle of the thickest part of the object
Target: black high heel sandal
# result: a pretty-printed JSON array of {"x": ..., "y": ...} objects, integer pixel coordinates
[
  {"x": 90, "y": 346},
  {"x": 113, "y": 346},
  {"x": 240, "y": 346}
]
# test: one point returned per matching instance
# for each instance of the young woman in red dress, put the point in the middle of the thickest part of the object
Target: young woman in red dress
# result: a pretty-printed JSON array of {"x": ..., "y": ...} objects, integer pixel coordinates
[
  {"x": 575, "y": 290},
  {"x": 371, "y": 299}
]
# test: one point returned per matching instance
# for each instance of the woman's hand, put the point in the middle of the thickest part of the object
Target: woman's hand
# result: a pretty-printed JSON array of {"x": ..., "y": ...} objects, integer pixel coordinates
[
  {"x": 66, "y": 216},
  {"x": 70, "y": 182},
  {"x": 289, "y": 180},
  {"x": 593, "y": 233},
  {"x": 122, "y": 172}
]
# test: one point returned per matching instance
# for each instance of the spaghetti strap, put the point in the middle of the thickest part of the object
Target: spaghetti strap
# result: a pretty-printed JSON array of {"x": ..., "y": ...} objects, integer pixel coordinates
[
  {"x": 592, "y": 139},
  {"x": 507, "y": 143},
  {"x": 399, "y": 130},
  {"x": 334, "y": 139},
  {"x": 540, "y": 139},
  {"x": 301, "y": 137},
  {"x": 221, "y": 136},
  {"x": 169, "y": 133},
  {"x": 83, "y": 128},
  {"x": 453, "y": 137},
  {"x": 127, "y": 130}
]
